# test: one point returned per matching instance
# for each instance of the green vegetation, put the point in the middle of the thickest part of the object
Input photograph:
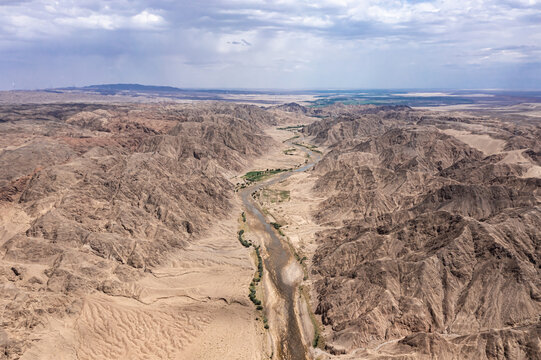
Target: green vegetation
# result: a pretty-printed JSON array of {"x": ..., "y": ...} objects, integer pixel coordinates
[
  {"x": 277, "y": 227},
  {"x": 292, "y": 127},
  {"x": 254, "y": 176},
  {"x": 242, "y": 240},
  {"x": 318, "y": 340},
  {"x": 289, "y": 151},
  {"x": 253, "y": 296},
  {"x": 301, "y": 260},
  {"x": 284, "y": 195},
  {"x": 274, "y": 196},
  {"x": 243, "y": 217},
  {"x": 259, "y": 264},
  {"x": 292, "y": 138},
  {"x": 380, "y": 97},
  {"x": 257, "y": 277},
  {"x": 309, "y": 147}
]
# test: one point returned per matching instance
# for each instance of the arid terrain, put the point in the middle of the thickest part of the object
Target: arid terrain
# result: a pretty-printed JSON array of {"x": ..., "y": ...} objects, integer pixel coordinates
[
  {"x": 433, "y": 241},
  {"x": 215, "y": 230},
  {"x": 117, "y": 239}
]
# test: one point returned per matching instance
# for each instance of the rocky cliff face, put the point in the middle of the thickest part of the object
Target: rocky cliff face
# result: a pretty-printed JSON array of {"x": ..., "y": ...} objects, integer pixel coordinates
[
  {"x": 433, "y": 246},
  {"x": 100, "y": 195}
]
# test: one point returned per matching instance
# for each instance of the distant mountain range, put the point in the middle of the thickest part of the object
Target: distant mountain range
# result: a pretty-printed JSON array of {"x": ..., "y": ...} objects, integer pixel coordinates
[
  {"x": 116, "y": 88},
  {"x": 132, "y": 87}
]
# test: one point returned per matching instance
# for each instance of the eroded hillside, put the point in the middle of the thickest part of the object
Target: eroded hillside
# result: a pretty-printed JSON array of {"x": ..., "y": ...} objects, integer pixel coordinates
[
  {"x": 95, "y": 200},
  {"x": 415, "y": 236},
  {"x": 432, "y": 247}
]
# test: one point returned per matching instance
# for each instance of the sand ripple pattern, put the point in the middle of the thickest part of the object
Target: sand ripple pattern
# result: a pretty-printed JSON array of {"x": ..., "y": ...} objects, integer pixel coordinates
[{"x": 111, "y": 331}]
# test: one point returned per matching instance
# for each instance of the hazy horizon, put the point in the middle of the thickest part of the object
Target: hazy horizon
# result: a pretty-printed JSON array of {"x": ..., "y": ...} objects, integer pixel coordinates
[
  {"x": 329, "y": 89},
  {"x": 283, "y": 44}
]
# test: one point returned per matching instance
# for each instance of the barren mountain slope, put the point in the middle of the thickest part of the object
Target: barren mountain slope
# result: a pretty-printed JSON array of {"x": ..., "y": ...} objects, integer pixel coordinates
[
  {"x": 118, "y": 231},
  {"x": 341, "y": 124},
  {"x": 434, "y": 245},
  {"x": 95, "y": 200}
]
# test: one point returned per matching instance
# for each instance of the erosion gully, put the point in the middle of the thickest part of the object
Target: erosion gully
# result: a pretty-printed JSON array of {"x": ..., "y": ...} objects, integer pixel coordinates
[{"x": 291, "y": 346}]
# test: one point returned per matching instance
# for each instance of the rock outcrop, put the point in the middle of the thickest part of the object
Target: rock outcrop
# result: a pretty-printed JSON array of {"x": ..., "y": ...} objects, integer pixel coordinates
[
  {"x": 433, "y": 246},
  {"x": 106, "y": 194}
]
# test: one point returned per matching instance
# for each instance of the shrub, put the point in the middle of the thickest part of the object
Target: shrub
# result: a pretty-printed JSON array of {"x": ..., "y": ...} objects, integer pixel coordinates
[
  {"x": 242, "y": 241},
  {"x": 316, "y": 339},
  {"x": 256, "y": 279}
]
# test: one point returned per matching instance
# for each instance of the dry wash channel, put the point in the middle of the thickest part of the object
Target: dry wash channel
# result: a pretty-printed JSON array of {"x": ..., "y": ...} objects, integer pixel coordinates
[{"x": 289, "y": 342}]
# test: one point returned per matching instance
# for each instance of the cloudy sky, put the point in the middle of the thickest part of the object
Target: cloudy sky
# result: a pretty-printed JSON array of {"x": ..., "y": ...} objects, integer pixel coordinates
[{"x": 288, "y": 44}]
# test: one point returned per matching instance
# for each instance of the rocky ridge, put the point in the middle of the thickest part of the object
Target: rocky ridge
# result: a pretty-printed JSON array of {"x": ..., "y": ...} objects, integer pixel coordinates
[
  {"x": 433, "y": 245},
  {"x": 103, "y": 194}
]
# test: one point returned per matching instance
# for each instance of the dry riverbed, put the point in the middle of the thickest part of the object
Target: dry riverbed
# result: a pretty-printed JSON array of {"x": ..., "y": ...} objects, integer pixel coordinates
[{"x": 288, "y": 204}]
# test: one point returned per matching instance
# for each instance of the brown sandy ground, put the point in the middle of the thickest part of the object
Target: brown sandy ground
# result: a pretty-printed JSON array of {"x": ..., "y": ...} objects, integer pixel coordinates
[
  {"x": 193, "y": 307},
  {"x": 90, "y": 269}
]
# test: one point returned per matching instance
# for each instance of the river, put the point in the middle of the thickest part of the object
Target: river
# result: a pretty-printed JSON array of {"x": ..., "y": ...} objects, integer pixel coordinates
[{"x": 291, "y": 346}]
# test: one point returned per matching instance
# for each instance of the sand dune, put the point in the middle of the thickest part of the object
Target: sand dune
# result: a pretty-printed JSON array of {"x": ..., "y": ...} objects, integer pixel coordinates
[{"x": 483, "y": 142}]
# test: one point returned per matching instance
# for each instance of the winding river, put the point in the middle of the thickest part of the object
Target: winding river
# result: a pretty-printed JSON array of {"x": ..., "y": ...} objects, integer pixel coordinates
[{"x": 291, "y": 345}]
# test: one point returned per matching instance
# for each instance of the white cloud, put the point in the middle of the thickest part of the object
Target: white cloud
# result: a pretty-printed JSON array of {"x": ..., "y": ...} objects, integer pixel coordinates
[
  {"x": 309, "y": 39},
  {"x": 93, "y": 21},
  {"x": 49, "y": 19},
  {"x": 143, "y": 20},
  {"x": 146, "y": 19}
]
